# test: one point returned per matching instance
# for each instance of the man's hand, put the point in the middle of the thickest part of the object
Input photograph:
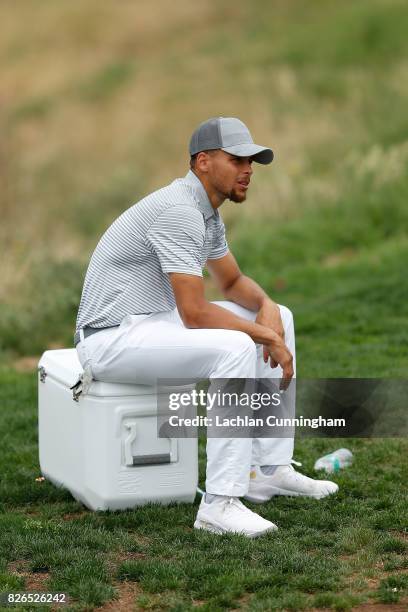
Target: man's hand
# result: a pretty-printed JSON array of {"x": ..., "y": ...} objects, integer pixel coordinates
[
  {"x": 269, "y": 316},
  {"x": 281, "y": 355}
]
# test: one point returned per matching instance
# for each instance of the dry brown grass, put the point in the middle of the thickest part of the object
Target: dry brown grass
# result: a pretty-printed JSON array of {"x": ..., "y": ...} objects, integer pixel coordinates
[{"x": 61, "y": 147}]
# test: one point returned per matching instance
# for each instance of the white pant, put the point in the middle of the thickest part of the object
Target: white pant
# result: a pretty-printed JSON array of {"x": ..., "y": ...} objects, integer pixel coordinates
[{"x": 145, "y": 348}]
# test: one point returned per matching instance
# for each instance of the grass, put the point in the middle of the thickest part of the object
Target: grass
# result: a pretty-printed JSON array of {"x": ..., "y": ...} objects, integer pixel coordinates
[
  {"x": 323, "y": 84},
  {"x": 106, "y": 82},
  {"x": 333, "y": 553},
  {"x": 97, "y": 114}
]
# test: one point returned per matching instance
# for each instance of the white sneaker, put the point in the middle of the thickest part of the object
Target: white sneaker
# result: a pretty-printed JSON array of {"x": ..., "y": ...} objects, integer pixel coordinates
[
  {"x": 286, "y": 481},
  {"x": 229, "y": 515}
]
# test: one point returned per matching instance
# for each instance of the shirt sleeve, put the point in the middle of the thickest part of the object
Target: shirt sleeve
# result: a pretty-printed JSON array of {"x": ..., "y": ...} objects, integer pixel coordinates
[
  {"x": 219, "y": 244},
  {"x": 177, "y": 238}
]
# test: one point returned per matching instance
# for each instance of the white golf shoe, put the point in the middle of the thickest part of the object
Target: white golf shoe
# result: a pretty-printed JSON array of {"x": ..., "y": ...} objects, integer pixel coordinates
[
  {"x": 229, "y": 515},
  {"x": 286, "y": 481}
]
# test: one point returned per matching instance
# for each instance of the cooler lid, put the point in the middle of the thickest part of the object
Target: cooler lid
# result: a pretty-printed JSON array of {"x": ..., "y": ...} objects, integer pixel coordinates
[{"x": 64, "y": 366}]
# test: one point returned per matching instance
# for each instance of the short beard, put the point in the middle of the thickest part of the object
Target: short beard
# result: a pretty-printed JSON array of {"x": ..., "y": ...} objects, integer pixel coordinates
[{"x": 233, "y": 196}]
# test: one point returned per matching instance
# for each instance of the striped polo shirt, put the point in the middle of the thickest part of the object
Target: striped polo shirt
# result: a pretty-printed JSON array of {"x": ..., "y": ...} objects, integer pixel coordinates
[{"x": 174, "y": 229}]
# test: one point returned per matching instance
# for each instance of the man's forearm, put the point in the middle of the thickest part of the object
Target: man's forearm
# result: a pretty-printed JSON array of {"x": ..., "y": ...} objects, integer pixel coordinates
[
  {"x": 212, "y": 316},
  {"x": 247, "y": 293}
]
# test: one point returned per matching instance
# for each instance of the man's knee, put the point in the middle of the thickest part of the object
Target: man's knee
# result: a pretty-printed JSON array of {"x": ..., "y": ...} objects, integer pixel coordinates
[
  {"x": 237, "y": 343},
  {"x": 237, "y": 357}
]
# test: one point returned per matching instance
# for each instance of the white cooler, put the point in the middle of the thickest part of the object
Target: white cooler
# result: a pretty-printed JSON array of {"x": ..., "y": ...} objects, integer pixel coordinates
[{"x": 103, "y": 447}]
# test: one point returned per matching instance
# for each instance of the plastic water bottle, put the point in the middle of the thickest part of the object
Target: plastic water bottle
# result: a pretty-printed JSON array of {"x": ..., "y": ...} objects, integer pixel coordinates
[{"x": 335, "y": 461}]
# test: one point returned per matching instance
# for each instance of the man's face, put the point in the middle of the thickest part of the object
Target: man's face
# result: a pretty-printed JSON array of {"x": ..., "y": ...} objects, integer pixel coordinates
[{"x": 229, "y": 175}]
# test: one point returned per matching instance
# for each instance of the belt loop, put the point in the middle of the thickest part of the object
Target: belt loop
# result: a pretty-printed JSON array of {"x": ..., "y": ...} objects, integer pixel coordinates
[{"x": 81, "y": 335}]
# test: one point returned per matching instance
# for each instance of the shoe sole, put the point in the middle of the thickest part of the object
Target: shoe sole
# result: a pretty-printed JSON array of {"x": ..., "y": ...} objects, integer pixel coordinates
[
  {"x": 277, "y": 492},
  {"x": 206, "y": 526}
]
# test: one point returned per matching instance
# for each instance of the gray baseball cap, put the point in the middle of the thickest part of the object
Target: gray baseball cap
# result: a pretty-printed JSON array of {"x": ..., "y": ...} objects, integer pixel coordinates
[{"x": 230, "y": 135}]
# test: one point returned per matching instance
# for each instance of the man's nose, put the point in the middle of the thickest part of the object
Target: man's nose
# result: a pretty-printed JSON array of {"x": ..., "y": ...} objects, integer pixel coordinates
[{"x": 248, "y": 167}]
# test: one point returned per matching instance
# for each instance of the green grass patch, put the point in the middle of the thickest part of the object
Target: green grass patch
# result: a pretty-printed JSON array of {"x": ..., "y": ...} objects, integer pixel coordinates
[
  {"x": 361, "y": 33},
  {"x": 46, "y": 308},
  {"x": 321, "y": 555}
]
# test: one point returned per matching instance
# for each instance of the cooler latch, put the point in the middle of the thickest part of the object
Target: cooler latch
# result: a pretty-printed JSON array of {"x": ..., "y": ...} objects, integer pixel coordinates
[{"x": 43, "y": 374}]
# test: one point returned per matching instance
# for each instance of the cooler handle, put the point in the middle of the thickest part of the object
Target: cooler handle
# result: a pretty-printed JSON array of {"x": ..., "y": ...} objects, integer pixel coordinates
[{"x": 159, "y": 458}]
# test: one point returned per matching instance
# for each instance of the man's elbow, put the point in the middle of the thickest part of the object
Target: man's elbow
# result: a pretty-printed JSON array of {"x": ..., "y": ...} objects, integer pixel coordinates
[
  {"x": 192, "y": 316},
  {"x": 226, "y": 288}
]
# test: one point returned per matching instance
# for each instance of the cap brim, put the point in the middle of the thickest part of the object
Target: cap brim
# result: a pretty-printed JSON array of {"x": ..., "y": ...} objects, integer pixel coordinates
[{"x": 262, "y": 155}]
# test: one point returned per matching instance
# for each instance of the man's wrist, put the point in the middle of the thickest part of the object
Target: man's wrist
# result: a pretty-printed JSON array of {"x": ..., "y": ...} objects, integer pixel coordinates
[
  {"x": 269, "y": 336},
  {"x": 274, "y": 338}
]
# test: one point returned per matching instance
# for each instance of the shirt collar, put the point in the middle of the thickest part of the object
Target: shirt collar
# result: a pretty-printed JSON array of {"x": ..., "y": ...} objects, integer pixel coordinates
[{"x": 201, "y": 194}]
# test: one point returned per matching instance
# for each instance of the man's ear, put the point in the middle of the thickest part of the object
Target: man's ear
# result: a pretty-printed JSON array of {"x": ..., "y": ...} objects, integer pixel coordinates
[{"x": 202, "y": 161}]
